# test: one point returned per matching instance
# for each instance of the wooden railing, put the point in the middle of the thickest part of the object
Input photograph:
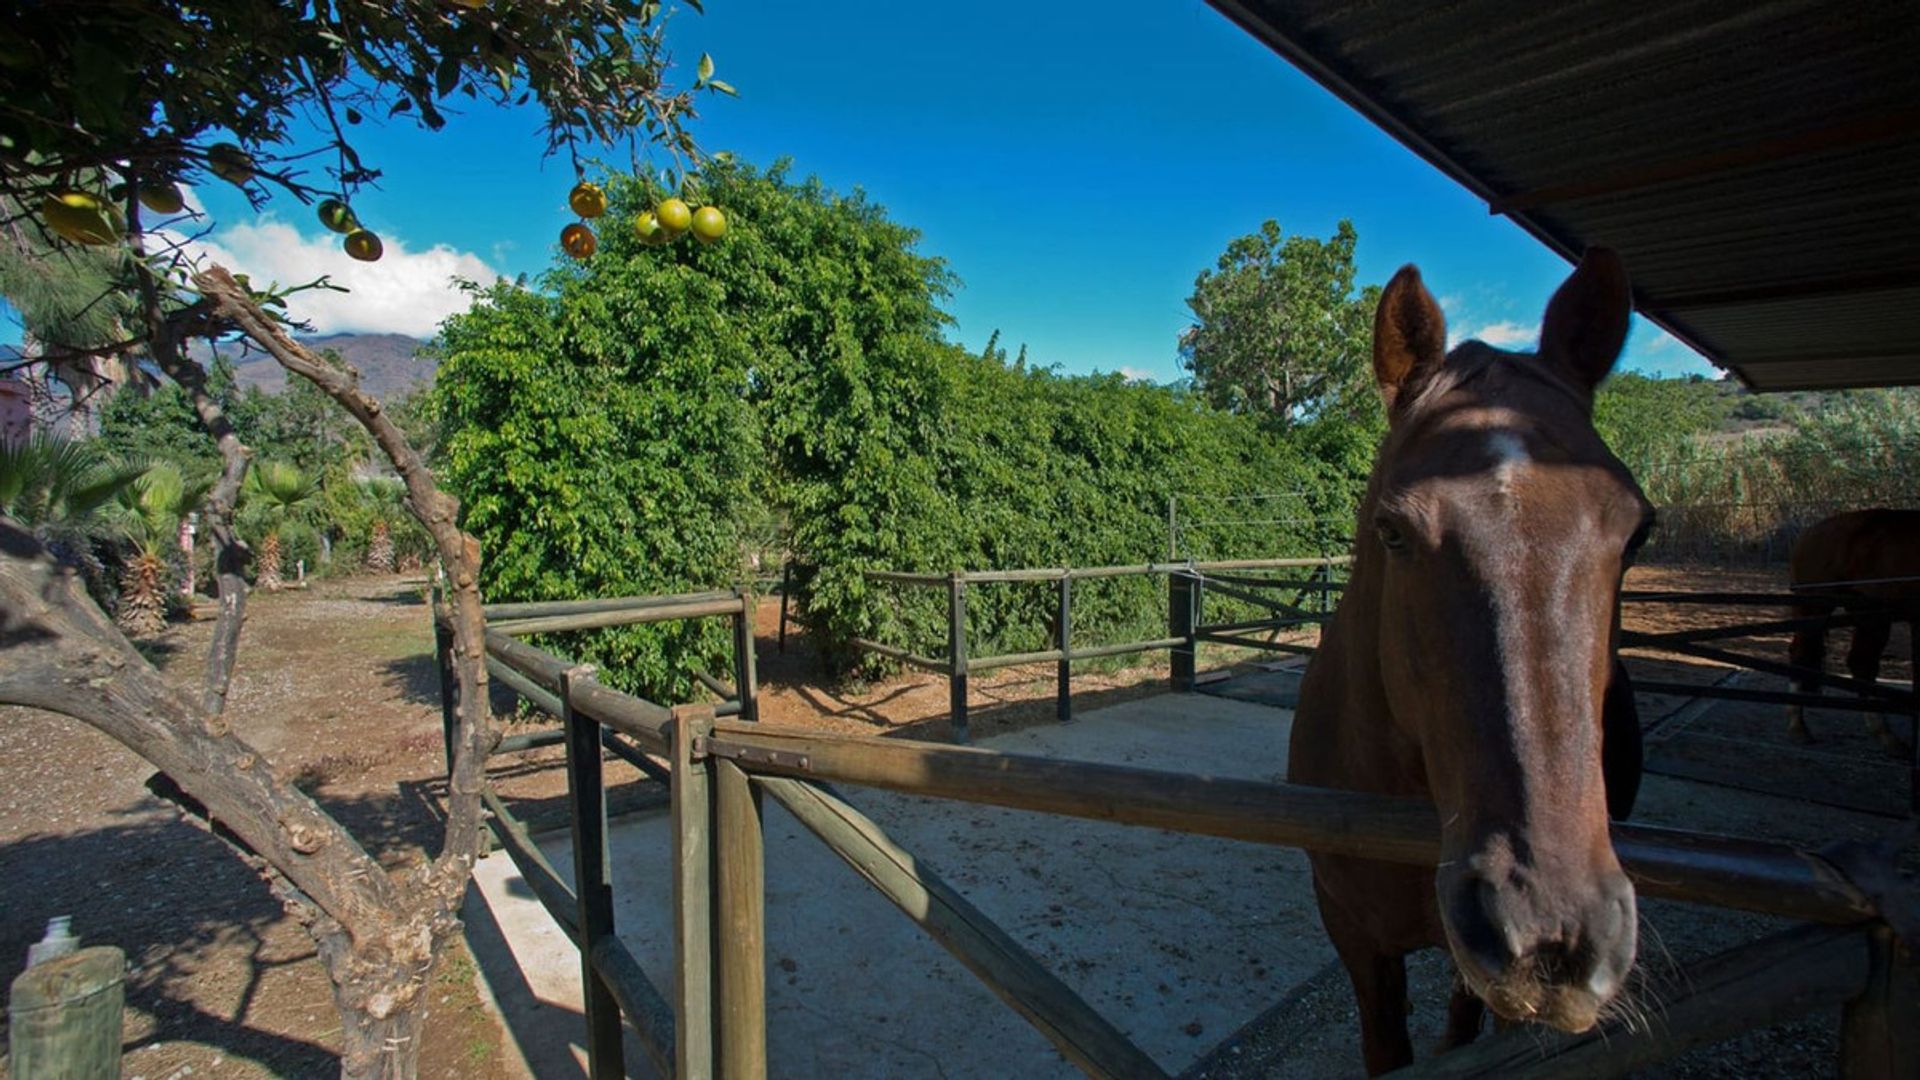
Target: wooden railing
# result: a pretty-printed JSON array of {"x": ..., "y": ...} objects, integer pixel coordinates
[
  {"x": 1187, "y": 586},
  {"x": 710, "y": 1018}
]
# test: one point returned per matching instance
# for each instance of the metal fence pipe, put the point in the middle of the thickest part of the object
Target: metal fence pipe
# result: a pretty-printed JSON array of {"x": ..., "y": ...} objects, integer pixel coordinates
[
  {"x": 645, "y": 1008},
  {"x": 898, "y": 578},
  {"x": 510, "y": 676},
  {"x": 901, "y": 655},
  {"x": 598, "y": 620},
  {"x": 543, "y": 608}
]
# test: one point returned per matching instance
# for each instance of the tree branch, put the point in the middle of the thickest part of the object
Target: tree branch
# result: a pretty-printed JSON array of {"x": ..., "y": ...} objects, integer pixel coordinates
[
  {"x": 459, "y": 553},
  {"x": 230, "y": 553}
]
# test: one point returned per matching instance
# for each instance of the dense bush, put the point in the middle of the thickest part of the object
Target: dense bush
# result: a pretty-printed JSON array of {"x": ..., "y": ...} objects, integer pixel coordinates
[
  {"x": 600, "y": 440},
  {"x": 624, "y": 428},
  {"x": 1014, "y": 468}
]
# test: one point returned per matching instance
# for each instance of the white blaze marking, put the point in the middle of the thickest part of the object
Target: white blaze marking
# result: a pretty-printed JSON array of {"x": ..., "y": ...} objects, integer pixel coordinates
[{"x": 1508, "y": 451}]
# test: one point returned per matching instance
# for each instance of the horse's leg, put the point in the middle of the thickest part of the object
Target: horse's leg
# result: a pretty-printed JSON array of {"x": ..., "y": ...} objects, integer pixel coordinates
[
  {"x": 1620, "y": 749},
  {"x": 1465, "y": 1011},
  {"x": 1863, "y": 661},
  {"x": 1809, "y": 650},
  {"x": 1380, "y": 989}
]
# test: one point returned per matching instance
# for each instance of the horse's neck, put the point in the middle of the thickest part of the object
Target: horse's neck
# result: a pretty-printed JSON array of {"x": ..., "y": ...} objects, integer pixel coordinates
[{"x": 1344, "y": 702}]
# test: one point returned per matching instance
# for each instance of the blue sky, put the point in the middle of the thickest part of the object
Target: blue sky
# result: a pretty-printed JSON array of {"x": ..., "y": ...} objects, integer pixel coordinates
[{"x": 1076, "y": 163}]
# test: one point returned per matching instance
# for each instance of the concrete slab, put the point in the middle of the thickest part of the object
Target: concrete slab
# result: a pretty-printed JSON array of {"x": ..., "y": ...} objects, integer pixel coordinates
[{"x": 1177, "y": 939}]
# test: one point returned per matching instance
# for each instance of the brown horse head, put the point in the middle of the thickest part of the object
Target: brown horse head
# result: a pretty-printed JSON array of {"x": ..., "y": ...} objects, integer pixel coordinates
[{"x": 1498, "y": 526}]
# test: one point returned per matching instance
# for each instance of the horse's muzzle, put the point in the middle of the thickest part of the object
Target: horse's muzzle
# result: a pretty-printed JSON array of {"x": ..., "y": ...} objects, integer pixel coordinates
[{"x": 1541, "y": 951}]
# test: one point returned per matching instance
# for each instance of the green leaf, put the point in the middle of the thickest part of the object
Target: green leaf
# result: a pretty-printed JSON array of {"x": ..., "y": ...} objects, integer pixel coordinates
[
  {"x": 446, "y": 76},
  {"x": 705, "y": 70},
  {"x": 724, "y": 87}
]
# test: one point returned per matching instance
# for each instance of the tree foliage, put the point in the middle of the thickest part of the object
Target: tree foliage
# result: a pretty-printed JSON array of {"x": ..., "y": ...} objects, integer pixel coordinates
[
  {"x": 1280, "y": 330},
  {"x": 1645, "y": 419},
  {"x": 600, "y": 440},
  {"x": 607, "y": 432},
  {"x": 106, "y": 102},
  {"x": 146, "y": 91}
]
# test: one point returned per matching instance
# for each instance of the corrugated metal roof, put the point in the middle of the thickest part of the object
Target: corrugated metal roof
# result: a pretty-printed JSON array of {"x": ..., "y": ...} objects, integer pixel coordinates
[{"x": 1756, "y": 164}]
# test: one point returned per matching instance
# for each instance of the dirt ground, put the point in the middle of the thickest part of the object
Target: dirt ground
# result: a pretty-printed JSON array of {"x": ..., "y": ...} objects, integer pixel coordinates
[{"x": 336, "y": 686}]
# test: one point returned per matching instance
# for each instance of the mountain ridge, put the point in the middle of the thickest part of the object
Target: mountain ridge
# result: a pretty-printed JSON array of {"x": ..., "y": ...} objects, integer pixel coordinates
[{"x": 390, "y": 365}]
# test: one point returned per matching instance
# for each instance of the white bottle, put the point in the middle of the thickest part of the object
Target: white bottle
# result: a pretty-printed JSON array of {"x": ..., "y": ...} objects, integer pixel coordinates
[{"x": 58, "y": 942}]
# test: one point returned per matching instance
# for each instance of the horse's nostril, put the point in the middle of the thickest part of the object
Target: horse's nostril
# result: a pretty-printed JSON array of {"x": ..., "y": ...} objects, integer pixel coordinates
[
  {"x": 1486, "y": 941},
  {"x": 1555, "y": 963}
]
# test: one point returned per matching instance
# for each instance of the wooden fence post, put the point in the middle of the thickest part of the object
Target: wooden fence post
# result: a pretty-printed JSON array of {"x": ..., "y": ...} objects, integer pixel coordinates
[
  {"x": 746, "y": 679},
  {"x": 692, "y": 896},
  {"x": 1063, "y": 708},
  {"x": 740, "y": 910},
  {"x": 592, "y": 883},
  {"x": 1182, "y": 587},
  {"x": 64, "y": 1017},
  {"x": 1880, "y": 1029},
  {"x": 957, "y": 654}
]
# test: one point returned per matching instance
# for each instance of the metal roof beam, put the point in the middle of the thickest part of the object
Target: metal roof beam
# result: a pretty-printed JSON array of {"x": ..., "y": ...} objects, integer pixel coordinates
[
  {"x": 1786, "y": 290},
  {"x": 1865, "y": 131}
]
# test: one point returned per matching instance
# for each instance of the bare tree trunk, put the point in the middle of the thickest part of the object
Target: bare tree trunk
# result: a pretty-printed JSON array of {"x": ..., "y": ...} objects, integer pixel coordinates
[{"x": 380, "y": 1001}]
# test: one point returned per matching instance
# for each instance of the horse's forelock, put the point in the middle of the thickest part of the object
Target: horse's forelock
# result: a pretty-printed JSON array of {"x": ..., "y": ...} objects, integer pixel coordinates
[{"x": 1472, "y": 359}]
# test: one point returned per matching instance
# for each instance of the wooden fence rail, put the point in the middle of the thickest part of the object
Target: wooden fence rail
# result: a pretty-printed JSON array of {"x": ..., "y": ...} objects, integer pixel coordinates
[
  {"x": 713, "y": 1022},
  {"x": 1187, "y": 583}
]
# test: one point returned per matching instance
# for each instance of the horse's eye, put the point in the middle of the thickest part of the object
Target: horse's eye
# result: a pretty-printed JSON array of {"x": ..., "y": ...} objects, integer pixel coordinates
[{"x": 1391, "y": 537}]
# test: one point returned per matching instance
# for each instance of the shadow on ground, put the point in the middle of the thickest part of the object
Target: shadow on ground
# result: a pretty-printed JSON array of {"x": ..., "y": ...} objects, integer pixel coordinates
[{"x": 174, "y": 893}]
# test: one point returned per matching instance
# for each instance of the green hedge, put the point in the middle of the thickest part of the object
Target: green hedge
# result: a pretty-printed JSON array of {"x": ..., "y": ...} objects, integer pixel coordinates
[{"x": 629, "y": 426}]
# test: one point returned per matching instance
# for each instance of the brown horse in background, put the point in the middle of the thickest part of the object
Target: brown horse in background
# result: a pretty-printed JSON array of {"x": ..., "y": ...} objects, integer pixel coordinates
[
  {"x": 1871, "y": 558},
  {"x": 1471, "y": 662}
]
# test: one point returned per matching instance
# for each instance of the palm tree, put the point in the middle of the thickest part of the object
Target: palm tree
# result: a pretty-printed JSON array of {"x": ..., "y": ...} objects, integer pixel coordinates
[
  {"x": 149, "y": 513},
  {"x": 277, "y": 494},
  {"x": 75, "y": 313},
  {"x": 386, "y": 497},
  {"x": 58, "y": 488}
]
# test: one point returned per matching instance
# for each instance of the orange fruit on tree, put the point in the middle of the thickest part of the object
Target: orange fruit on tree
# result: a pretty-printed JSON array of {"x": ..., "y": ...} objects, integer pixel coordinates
[
  {"x": 674, "y": 216},
  {"x": 162, "y": 199},
  {"x": 578, "y": 241},
  {"x": 230, "y": 163},
  {"x": 647, "y": 227},
  {"x": 587, "y": 200},
  {"x": 83, "y": 217},
  {"x": 709, "y": 224},
  {"x": 363, "y": 245}
]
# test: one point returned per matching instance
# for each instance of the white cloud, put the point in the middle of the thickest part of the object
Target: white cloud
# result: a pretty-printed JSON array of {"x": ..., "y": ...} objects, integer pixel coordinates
[
  {"x": 1504, "y": 334},
  {"x": 1661, "y": 341},
  {"x": 1135, "y": 374},
  {"x": 406, "y": 292}
]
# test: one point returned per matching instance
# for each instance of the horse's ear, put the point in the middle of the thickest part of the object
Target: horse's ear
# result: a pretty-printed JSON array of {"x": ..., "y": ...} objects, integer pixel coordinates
[
  {"x": 1409, "y": 337},
  {"x": 1587, "y": 318}
]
